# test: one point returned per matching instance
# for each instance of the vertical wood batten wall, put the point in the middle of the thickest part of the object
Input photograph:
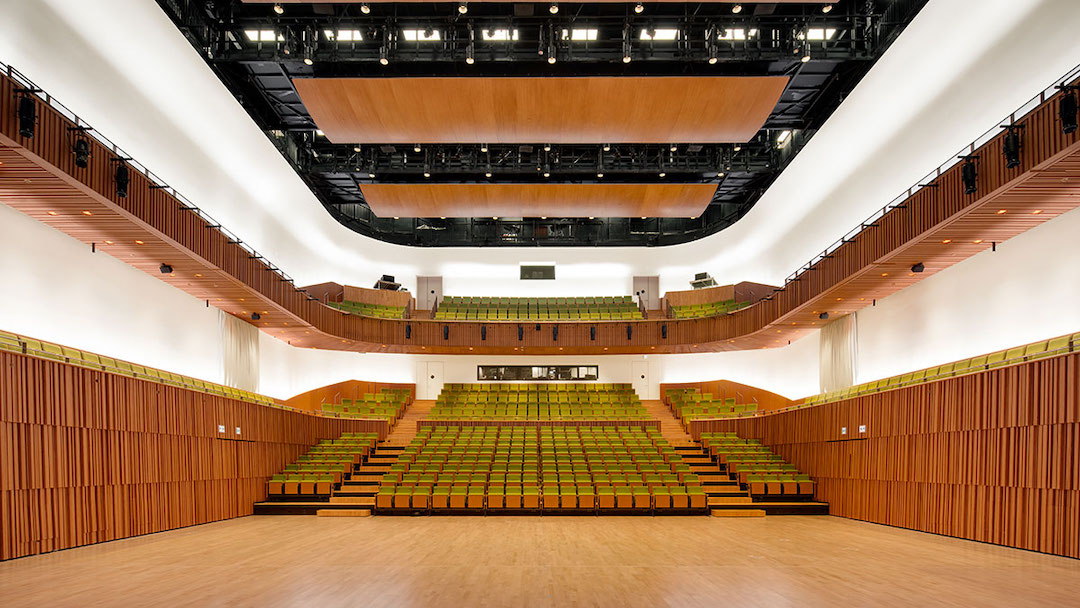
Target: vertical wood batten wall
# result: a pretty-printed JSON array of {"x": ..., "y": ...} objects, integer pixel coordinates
[
  {"x": 992, "y": 456},
  {"x": 88, "y": 456}
]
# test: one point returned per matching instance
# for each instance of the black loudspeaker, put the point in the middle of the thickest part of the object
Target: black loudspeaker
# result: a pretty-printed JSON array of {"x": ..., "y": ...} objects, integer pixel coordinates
[
  {"x": 1011, "y": 149},
  {"x": 824, "y": 316},
  {"x": 82, "y": 153},
  {"x": 408, "y": 332},
  {"x": 592, "y": 333},
  {"x": 445, "y": 332},
  {"x": 255, "y": 316},
  {"x": 537, "y": 327},
  {"x": 663, "y": 331},
  {"x": 1067, "y": 109},
  {"x": 555, "y": 333},
  {"x": 969, "y": 175},
  {"x": 122, "y": 179},
  {"x": 27, "y": 116},
  {"x": 629, "y": 331},
  {"x": 521, "y": 333},
  {"x": 483, "y": 332},
  {"x": 918, "y": 267}
]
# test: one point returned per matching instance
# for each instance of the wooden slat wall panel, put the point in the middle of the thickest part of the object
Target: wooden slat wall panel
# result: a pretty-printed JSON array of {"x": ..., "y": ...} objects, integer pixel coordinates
[
  {"x": 88, "y": 456},
  {"x": 992, "y": 456},
  {"x": 334, "y": 393},
  {"x": 742, "y": 393}
]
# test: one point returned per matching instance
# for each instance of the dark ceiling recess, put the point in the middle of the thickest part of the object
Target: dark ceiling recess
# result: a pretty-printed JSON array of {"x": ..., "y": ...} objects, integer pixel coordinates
[{"x": 824, "y": 54}]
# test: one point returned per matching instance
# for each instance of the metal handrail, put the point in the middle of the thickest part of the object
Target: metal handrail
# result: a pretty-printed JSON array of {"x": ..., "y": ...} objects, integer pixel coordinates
[
  {"x": 186, "y": 203},
  {"x": 929, "y": 178}
]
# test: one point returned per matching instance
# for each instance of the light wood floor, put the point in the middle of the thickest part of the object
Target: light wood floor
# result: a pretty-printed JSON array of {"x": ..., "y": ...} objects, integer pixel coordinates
[{"x": 533, "y": 561}]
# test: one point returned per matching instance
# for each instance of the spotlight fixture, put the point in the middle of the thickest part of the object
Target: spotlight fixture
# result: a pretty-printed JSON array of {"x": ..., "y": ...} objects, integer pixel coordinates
[
  {"x": 719, "y": 174},
  {"x": 969, "y": 175},
  {"x": 371, "y": 174},
  {"x": 639, "y": 8},
  {"x": 551, "y": 58},
  {"x": 122, "y": 179},
  {"x": 599, "y": 174},
  {"x": 806, "y": 57},
  {"x": 827, "y": 9},
  {"x": 1010, "y": 146},
  {"x": 165, "y": 269},
  {"x": 1067, "y": 111},
  {"x": 554, "y": 8},
  {"x": 607, "y": 147},
  {"x": 416, "y": 148},
  {"x": 364, "y": 8},
  {"x": 82, "y": 153},
  {"x": 488, "y": 174},
  {"x": 483, "y": 147},
  {"x": 308, "y": 60},
  {"x": 712, "y": 59},
  {"x": 663, "y": 174},
  {"x": 547, "y": 147},
  {"x": 469, "y": 55},
  {"x": 384, "y": 57},
  {"x": 917, "y": 268},
  {"x": 674, "y": 148},
  {"x": 736, "y": 9},
  {"x": 279, "y": 9},
  {"x": 27, "y": 116},
  {"x": 824, "y": 316},
  {"x": 463, "y": 8},
  {"x": 427, "y": 173}
]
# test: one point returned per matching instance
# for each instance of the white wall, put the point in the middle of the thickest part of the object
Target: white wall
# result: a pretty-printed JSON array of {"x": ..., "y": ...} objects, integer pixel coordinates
[
  {"x": 124, "y": 67},
  {"x": 1025, "y": 292},
  {"x": 56, "y": 290}
]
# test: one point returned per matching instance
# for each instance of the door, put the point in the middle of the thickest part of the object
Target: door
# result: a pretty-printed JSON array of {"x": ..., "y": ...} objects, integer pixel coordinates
[
  {"x": 433, "y": 381},
  {"x": 428, "y": 292},
  {"x": 640, "y": 372},
  {"x": 647, "y": 291}
]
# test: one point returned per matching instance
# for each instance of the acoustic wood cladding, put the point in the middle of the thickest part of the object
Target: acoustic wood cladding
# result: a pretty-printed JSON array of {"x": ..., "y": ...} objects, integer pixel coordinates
[
  {"x": 690, "y": 297},
  {"x": 39, "y": 175},
  {"x": 538, "y": 200},
  {"x": 992, "y": 456},
  {"x": 334, "y": 393},
  {"x": 87, "y": 456},
  {"x": 382, "y": 297},
  {"x": 555, "y": 110}
]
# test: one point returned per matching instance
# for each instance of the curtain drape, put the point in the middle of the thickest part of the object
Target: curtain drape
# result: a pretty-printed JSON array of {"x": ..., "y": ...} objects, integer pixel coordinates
[
  {"x": 838, "y": 354},
  {"x": 239, "y": 352}
]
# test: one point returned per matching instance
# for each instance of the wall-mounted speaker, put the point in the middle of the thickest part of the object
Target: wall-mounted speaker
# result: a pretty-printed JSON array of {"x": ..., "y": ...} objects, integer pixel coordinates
[
  {"x": 408, "y": 332},
  {"x": 629, "y": 331},
  {"x": 483, "y": 332},
  {"x": 592, "y": 333},
  {"x": 663, "y": 331},
  {"x": 445, "y": 332}
]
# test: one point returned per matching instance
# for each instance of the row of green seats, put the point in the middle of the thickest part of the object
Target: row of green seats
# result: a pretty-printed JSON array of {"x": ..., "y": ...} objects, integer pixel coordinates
[
  {"x": 511, "y": 497},
  {"x": 707, "y": 309},
  {"x": 1028, "y": 352},
  {"x": 689, "y": 404},
  {"x": 761, "y": 470},
  {"x": 326, "y": 464},
  {"x": 47, "y": 350},
  {"x": 370, "y": 310}
]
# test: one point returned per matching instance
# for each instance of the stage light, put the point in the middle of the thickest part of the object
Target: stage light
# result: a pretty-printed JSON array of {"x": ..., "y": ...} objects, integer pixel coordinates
[
  {"x": 279, "y": 9},
  {"x": 827, "y": 9},
  {"x": 364, "y": 8},
  {"x": 917, "y": 268},
  {"x": 969, "y": 175},
  {"x": 82, "y": 153},
  {"x": 469, "y": 59},
  {"x": 607, "y": 147},
  {"x": 719, "y": 174},
  {"x": 384, "y": 58},
  {"x": 27, "y": 116},
  {"x": 736, "y": 9},
  {"x": 547, "y": 147},
  {"x": 416, "y": 148},
  {"x": 308, "y": 60},
  {"x": 463, "y": 8},
  {"x": 122, "y": 179},
  {"x": 599, "y": 174},
  {"x": 551, "y": 59},
  {"x": 663, "y": 174},
  {"x": 483, "y": 147},
  {"x": 554, "y": 8},
  {"x": 371, "y": 174},
  {"x": 674, "y": 148},
  {"x": 427, "y": 173},
  {"x": 1067, "y": 110},
  {"x": 639, "y": 8},
  {"x": 806, "y": 58},
  {"x": 165, "y": 269},
  {"x": 1011, "y": 148},
  {"x": 712, "y": 59}
]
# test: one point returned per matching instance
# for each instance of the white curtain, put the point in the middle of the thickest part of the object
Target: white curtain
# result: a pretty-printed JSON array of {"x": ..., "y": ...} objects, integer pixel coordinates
[
  {"x": 838, "y": 354},
  {"x": 239, "y": 352}
]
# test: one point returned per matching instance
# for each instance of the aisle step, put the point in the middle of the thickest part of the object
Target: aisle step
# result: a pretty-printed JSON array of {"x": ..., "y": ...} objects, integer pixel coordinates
[
  {"x": 737, "y": 513},
  {"x": 343, "y": 513}
]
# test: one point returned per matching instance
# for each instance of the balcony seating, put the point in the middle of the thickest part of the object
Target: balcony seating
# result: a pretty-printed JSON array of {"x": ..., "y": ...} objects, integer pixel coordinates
[
  {"x": 496, "y": 402},
  {"x": 502, "y": 468},
  {"x": 609, "y": 308},
  {"x": 324, "y": 466},
  {"x": 691, "y": 404},
  {"x": 369, "y": 310},
  {"x": 388, "y": 404},
  {"x": 708, "y": 309},
  {"x": 757, "y": 467},
  {"x": 37, "y": 348},
  {"x": 1019, "y": 354}
]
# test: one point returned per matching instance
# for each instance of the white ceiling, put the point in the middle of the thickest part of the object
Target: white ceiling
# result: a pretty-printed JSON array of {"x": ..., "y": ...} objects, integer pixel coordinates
[{"x": 959, "y": 68}]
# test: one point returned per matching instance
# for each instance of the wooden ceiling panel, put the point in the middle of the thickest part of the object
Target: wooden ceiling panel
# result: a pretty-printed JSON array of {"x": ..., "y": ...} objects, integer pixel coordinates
[
  {"x": 538, "y": 200},
  {"x": 554, "y": 110}
]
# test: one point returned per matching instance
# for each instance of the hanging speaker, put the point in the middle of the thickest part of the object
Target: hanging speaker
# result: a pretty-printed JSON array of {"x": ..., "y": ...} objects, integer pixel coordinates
[
  {"x": 1067, "y": 110},
  {"x": 27, "y": 116}
]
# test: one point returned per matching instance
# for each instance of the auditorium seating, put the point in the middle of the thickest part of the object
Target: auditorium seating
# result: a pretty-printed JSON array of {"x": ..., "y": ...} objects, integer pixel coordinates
[
  {"x": 325, "y": 466},
  {"x": 388, "y": 404},
  {"x": 47, "y": 350},
  {"x": 609, "y": 308},
  {"x": 509, "y": 468},
  {"x": 369, "y": 310},
  {"x": 494, "y": 402},
  {"x": 707, "y": 309},
  {"x": 757, "y": 467},
  {"x": 691, "y": 404},
  {"x": 1019, "y": 354}
]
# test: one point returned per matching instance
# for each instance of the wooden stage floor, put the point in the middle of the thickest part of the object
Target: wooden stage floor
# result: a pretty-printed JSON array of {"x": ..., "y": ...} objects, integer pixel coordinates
[{"x": 534, "y": 561}]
